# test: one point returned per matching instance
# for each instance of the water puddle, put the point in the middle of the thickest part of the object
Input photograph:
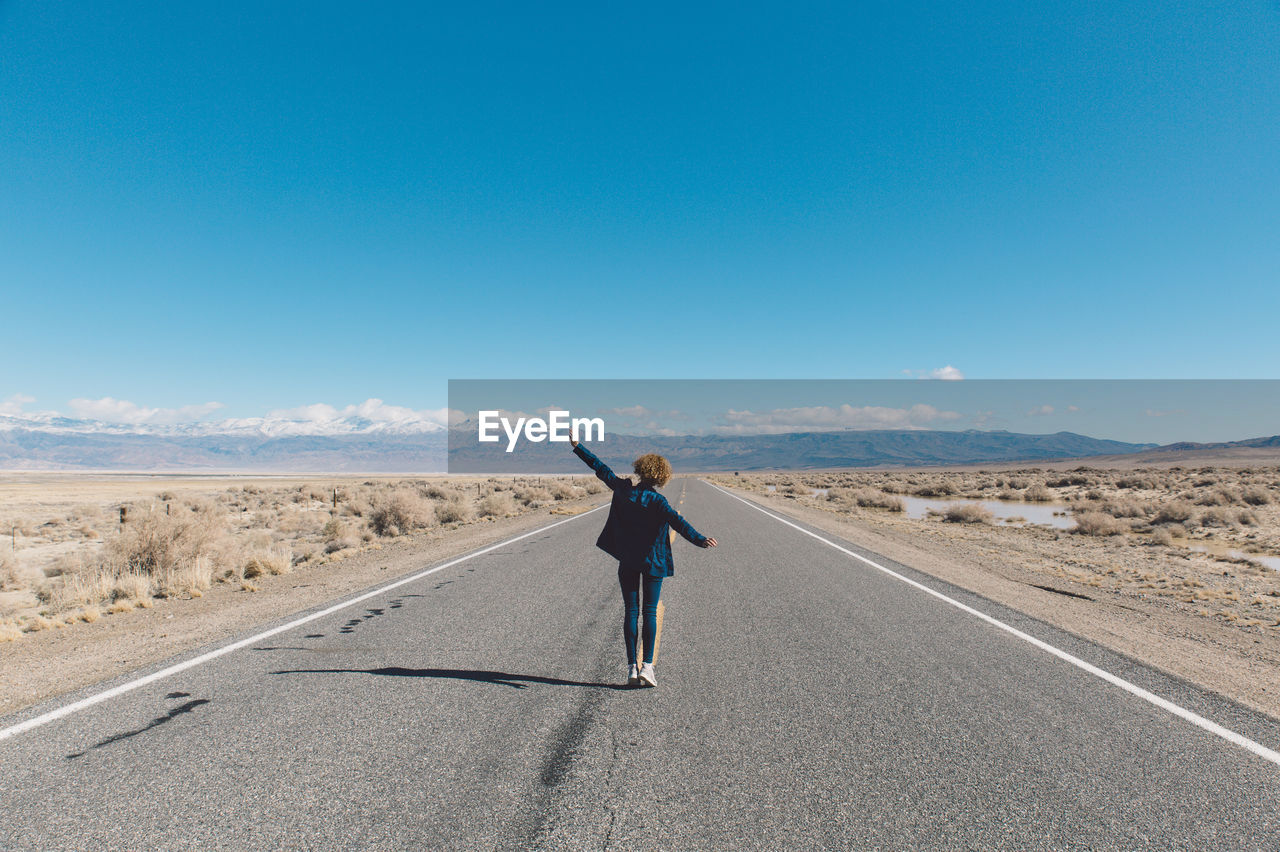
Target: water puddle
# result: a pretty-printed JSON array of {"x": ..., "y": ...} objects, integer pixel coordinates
[
  {"x": 1054, "y": 515},
  {"x": 1272, "y": 562}
]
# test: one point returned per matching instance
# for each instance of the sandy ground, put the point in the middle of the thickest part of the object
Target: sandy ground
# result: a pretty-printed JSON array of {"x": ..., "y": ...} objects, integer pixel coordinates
[
  {"x": 1011, "y": 565},
  {"x": 60, "y": 660}
]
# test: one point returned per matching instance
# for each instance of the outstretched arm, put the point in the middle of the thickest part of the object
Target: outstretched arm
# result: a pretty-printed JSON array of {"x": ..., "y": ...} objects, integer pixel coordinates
[
  {"x": 607, "y": 476},
  {"x": 680, "y": 525}
]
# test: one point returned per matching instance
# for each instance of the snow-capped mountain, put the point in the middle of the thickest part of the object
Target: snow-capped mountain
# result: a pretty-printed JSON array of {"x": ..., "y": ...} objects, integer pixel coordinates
[
  {"x": 347, "y": 441},
  {"x": 268, "y": 427}
]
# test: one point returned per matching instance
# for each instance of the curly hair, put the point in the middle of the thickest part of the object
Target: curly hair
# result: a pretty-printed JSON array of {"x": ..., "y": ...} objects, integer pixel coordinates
[{"x": 652, "y": 467}]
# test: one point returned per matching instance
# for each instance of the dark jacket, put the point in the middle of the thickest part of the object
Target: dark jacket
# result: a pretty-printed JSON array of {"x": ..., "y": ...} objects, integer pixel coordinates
[{"x": 637, "y": 530}]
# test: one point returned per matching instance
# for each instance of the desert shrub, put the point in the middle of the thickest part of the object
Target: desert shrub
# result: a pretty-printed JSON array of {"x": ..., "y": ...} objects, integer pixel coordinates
[
  {"x": 935, "y": 489},
  {"x": 9, "y": 578},
  {"x": 274, "y": 560},
  {"x": 1162, "y": 536},
  {"x": 1135, "y": 482},
  {"x": 1009, "y": 495},
  {"x": 1037, "y": 494},
  {"x": 130, "y": 586},
  {"x": 334, "y": 529},
  {"x": 401, "y": 512},
  {"x": 564, "y": 491},
  {"x": 292, "y": 521},
  {"x": 435, "y": 491},
  {"x": 1218, "y": 497},
  {"x": 1217, "y": 517},
  {"x": 1174, "y": 512},
  {"x": 1255, "y": 495},
  {"x": 1246, "y": 518},
  {"x": 454, "y": 510},
  {"x": 967, "y": 513},
  {"x": 873, "y": 498},
  {"x": 1122, "y": 508},
  {"x": 342, "y": 543},
  {"x": 795, "y": 489},
  {"x": 497, "y": 505},
  {"x": 357, "y": 508},
  {"x": 1097, "y": 523},
  {"x": 78, "y": 587},
  {"x": 153, "y": 543},
  {"x": 533, "y": 496},
  {"x": 839, "y": 494}
]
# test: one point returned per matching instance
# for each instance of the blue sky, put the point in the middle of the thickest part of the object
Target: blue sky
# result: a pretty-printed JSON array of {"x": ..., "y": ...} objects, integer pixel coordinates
[{"x": 277, "y": 205}]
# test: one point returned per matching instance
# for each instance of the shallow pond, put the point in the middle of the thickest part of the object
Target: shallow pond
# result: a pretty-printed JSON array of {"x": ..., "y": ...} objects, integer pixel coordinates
[
  {"x": 1272, "y": 562},
  {"x": 1047, "y": 514}
]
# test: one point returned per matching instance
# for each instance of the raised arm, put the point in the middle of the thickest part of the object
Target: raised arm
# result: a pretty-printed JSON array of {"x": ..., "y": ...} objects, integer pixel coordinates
[
  {"x": 607, "y": 476},
  {"x": 680, "y": 525}
]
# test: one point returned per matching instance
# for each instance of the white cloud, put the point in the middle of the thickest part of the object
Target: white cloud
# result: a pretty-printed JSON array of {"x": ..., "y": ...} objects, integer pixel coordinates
[
  {"x": 110, "y": 410},
  {"x": 1041, "y": 411},
  {"x": 825, "y": 418},
  {"x": 947, "y": 374},
  {"x": 13, "y": 405},
  {"x": 373, "y": 410}
]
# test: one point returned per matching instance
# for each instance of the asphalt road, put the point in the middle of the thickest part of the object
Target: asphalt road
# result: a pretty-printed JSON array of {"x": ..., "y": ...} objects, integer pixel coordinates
[{"x": 806, "y": 700}]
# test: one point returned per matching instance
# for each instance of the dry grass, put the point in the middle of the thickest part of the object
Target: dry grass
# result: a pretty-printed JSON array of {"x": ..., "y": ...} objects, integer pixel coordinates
[
  {"x": 273, "y": 560},
  {"x": 78, "y": 563},
  {"x": 1098, "y": 523},
  {"x": 497, "y": 505},
  {"x": 1174, "y": 512},
  {"x": 1038, "y": 494},
  {"x": 967, "y": 513},
  {"x": 401, "y": 512},
  {"x": 455, "y": 510},
  {"x": 874, "y": 498}
]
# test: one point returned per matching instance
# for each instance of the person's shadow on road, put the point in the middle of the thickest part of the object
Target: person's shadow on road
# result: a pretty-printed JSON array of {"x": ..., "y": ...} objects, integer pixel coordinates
[{"x": 517, "y": 681}]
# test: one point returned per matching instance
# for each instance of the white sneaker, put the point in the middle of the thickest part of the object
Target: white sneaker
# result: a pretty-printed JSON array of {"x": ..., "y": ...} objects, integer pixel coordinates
[
  {"x": 647, "y": 677},
  {"x": 633, "y": 675}
]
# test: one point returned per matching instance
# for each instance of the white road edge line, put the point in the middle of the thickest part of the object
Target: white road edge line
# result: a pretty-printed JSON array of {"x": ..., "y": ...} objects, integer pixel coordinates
[
  {"x": 1133, "y": 689},
  {"x": 98, "y": 698}
]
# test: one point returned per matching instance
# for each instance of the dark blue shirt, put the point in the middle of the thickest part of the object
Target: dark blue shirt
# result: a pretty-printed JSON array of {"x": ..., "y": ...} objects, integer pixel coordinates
[{"x": 637, "y": 530}]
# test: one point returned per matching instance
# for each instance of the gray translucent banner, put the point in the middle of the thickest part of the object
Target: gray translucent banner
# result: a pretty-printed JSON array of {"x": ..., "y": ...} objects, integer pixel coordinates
[{"x": 523, "y": 426}]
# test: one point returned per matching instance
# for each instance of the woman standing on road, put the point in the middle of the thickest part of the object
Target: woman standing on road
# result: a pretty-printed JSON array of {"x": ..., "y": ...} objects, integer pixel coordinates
[{"x": 636, "y": 534}]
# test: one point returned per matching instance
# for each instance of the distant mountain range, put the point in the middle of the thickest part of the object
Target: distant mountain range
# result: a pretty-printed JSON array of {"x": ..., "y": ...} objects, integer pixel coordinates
[
  {"x": 247, "y": 427},
  {"x": 357, "y": 445},
  {"x": 793, "y": 451},
  {"x": 1250, "y": 444},
  {"x": 260, "y": 444}
]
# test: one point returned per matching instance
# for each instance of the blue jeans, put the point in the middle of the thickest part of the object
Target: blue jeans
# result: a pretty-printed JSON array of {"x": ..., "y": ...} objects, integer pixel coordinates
[{"x": 631, "y": 579}]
